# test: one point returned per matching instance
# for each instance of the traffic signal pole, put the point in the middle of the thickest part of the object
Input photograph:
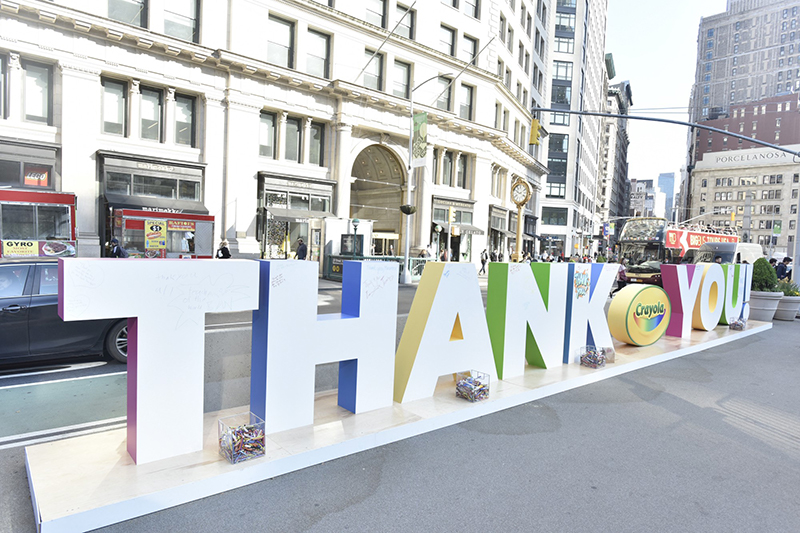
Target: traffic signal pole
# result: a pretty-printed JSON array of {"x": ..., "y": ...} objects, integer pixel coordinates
[{"x": 665, "y": 121}]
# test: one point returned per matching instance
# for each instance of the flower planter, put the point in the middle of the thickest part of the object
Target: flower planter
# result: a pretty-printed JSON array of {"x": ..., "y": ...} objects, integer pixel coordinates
[
  {"x": 763, "y": 305},
  {"x": 787, "y": 308}
]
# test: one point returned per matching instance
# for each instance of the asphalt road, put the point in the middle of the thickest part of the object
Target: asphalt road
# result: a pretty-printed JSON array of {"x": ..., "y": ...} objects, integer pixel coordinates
[{"x": 708, "y": 442}]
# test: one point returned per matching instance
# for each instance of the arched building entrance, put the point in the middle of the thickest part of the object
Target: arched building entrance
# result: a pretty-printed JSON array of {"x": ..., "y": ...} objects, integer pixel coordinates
[{"x": 376, "y": 194}]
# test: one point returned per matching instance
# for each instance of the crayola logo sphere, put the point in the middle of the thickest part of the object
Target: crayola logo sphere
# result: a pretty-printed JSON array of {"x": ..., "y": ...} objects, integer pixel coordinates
[{"x": 639, "y": 314}]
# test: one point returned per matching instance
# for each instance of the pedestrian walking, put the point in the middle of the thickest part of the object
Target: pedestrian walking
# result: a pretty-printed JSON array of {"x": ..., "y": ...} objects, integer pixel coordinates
[
  {"x": 223, "y": 252},
  {"x": 484, "y": 258},
  {"x": 782, "y": 269},
  {"x": 302, "y": 250},
  {"x": 117, "y": 250}
]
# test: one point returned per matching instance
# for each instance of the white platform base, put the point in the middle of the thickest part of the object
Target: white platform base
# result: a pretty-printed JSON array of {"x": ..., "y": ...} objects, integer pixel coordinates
[{"x": 88, "y": 482}]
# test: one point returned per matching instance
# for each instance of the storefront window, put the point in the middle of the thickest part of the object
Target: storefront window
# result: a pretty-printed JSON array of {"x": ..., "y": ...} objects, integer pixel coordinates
[
  {"x": 320, "y": 204},
  {"x": 154, "y": 187},
  {"x": 9, "y": 173},
  {"x": 53, "y": 222},
  {"x": 189, "y": 190},
  {"x": 298, "y": 201},
  {"x": 118, "y": 183},
  {"x": 276, "y": 199},
  {"x": 19, "y": 222}
]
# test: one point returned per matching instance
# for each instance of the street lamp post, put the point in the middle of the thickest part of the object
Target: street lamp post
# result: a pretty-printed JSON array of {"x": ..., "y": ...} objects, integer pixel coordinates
[
  {"x": 408, "y": 209},
  {"x": 355, "y": 236}
]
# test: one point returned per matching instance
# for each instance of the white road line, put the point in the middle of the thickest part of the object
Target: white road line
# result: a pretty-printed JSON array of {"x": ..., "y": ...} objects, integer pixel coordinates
[
  {"x": 63, "y": 380},
  {"x": 64, "y": 429},
  {"x": 59, "y": 437},
  {"x": 65, "y": 369}
]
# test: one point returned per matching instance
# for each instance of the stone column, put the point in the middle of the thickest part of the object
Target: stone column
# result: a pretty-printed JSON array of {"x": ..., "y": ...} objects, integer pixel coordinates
[
  {"x": 15, "y": 88},
  {"x": 169, "y": 116},
  {"x": 280, "y": 136},
  {"x": 439, "y": 162},
  {"x": 342, "y": 169},
  {"x": 305, "y": 154},
  {"x": 78, "y": 157},
  {"x": 134, "y": 110}
]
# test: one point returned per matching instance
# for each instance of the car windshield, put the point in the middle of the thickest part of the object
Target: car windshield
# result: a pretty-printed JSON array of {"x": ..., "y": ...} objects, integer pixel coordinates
[
  {"x": 643, "y": 257},
  {"x": 708, "y": 256}
]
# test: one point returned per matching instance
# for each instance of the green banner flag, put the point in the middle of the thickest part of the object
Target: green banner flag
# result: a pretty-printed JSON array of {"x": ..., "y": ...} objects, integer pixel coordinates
[
  {"x": 776, "y": 227},
  {"x": 419, "y": 144}
]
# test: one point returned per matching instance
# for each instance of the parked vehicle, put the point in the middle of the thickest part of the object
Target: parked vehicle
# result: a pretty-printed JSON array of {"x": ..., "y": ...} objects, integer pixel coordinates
[
  {"x": 30, "y": 328},
  {"x": 730, "y": 252}
]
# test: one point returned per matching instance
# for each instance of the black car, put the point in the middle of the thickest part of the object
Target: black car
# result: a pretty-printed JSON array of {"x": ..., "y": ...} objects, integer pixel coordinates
[{"x": 30, "y": 328}]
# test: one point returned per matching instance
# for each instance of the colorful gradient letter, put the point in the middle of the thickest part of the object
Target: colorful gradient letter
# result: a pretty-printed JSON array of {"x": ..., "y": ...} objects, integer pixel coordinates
[
  {"x": 446, "y": 331},
  {"x": 710, "y": 300},
  {"x": 682, "y": 283},
  {"x": 289, "y": 340},
  {"x": 526, "y": 312},
  {"x": 167, "y": 300}
]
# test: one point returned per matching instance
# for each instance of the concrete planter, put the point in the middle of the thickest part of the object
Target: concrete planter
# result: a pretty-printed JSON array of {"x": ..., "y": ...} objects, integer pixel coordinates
[
  {"x": 763, "y": 305},
  {"x": 787, "y": 308}
]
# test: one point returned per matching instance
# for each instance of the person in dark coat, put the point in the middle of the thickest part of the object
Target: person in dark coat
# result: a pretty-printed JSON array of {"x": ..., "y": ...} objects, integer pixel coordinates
[
  {"x": 116, "y": 249},
  {"x": 782, "y": 269},
  {"x": 302, "y": 250},
  {"x": 223, "y": 252}
]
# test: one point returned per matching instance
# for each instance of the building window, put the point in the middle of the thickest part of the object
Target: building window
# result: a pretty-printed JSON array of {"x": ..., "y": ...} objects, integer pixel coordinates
[
  {"x": 447, "y": 169},
  {"x": 472, "y": 8},
  {"x": 128, "y": 11},
  {"x": 443, "y": 102},
  {"x": 317, "y": 60},
  {"x": 562, "y": 70},
  {"x": 266, "y": 136},
  {"x": 2, "y": 87},
  {"x": 470, "y": 48},
  {"x": 293, "y": 139},
  {"x": 554, "y": 216},
  {"x": 461, "y": 172},
  {"x": 565, "y": 22},
  {"x": 559, "y": 119},
  {"x": 565, "y": 44},
  {"x": 280, "y": 42},
  {"x": 317, "y": 142},
  {"x": 151, "y": 114},
  {"x": 561, "y": 94},
  {"x": 402, "y": 77},
  {"x": 376, "y": 12},
  {"x": 406, "y": 26},
  {"x": 37, "y": 92},
  {"x": 558, "y": 164},
  {"x": 466, "y": 104},
  {"x": 180, "y": 20},
  {"x": 373, "y": 74},
  {"x": 184, "y": 120},
  {"x": 115, "y": 104},
  {"x": 447, "y": 40},
  {"x": 508, "y": 79}
]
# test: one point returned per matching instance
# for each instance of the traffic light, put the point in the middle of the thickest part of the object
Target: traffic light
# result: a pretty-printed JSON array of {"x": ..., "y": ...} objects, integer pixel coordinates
[
  {"x": 535, "y": 127},
  {"x": 451, "y": 216}
]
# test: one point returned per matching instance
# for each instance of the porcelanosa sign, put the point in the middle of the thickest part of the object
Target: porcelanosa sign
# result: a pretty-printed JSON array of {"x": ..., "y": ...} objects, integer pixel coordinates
[{"x": 537, "y": 315}]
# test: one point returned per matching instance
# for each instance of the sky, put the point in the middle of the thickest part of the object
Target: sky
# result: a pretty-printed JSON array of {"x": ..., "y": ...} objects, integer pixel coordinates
[{"x": 654, "y": 44}]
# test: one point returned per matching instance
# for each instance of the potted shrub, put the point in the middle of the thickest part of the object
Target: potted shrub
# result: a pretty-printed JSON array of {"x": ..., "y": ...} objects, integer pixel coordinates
[
  {"x": 764, "y": 297},
  {"x": 790, "y": 303}
]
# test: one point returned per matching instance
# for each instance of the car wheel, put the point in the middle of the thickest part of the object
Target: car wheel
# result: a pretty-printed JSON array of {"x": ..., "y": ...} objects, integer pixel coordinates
[{"x": 117, "y": 341}]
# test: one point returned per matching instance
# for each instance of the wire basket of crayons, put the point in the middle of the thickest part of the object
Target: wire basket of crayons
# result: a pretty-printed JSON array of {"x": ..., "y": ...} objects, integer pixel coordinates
[
  {"x": 739, "y": 324},
  {"x": 593, "y": 357},
  {"x": 472, "y": 385},
  {"x": 241, "y": 437}
]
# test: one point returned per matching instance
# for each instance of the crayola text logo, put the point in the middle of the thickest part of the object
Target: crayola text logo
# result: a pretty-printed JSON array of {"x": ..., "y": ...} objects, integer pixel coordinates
[
  {"x": 639, "y": 314},
  {"x": 648, "y": 317}
]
